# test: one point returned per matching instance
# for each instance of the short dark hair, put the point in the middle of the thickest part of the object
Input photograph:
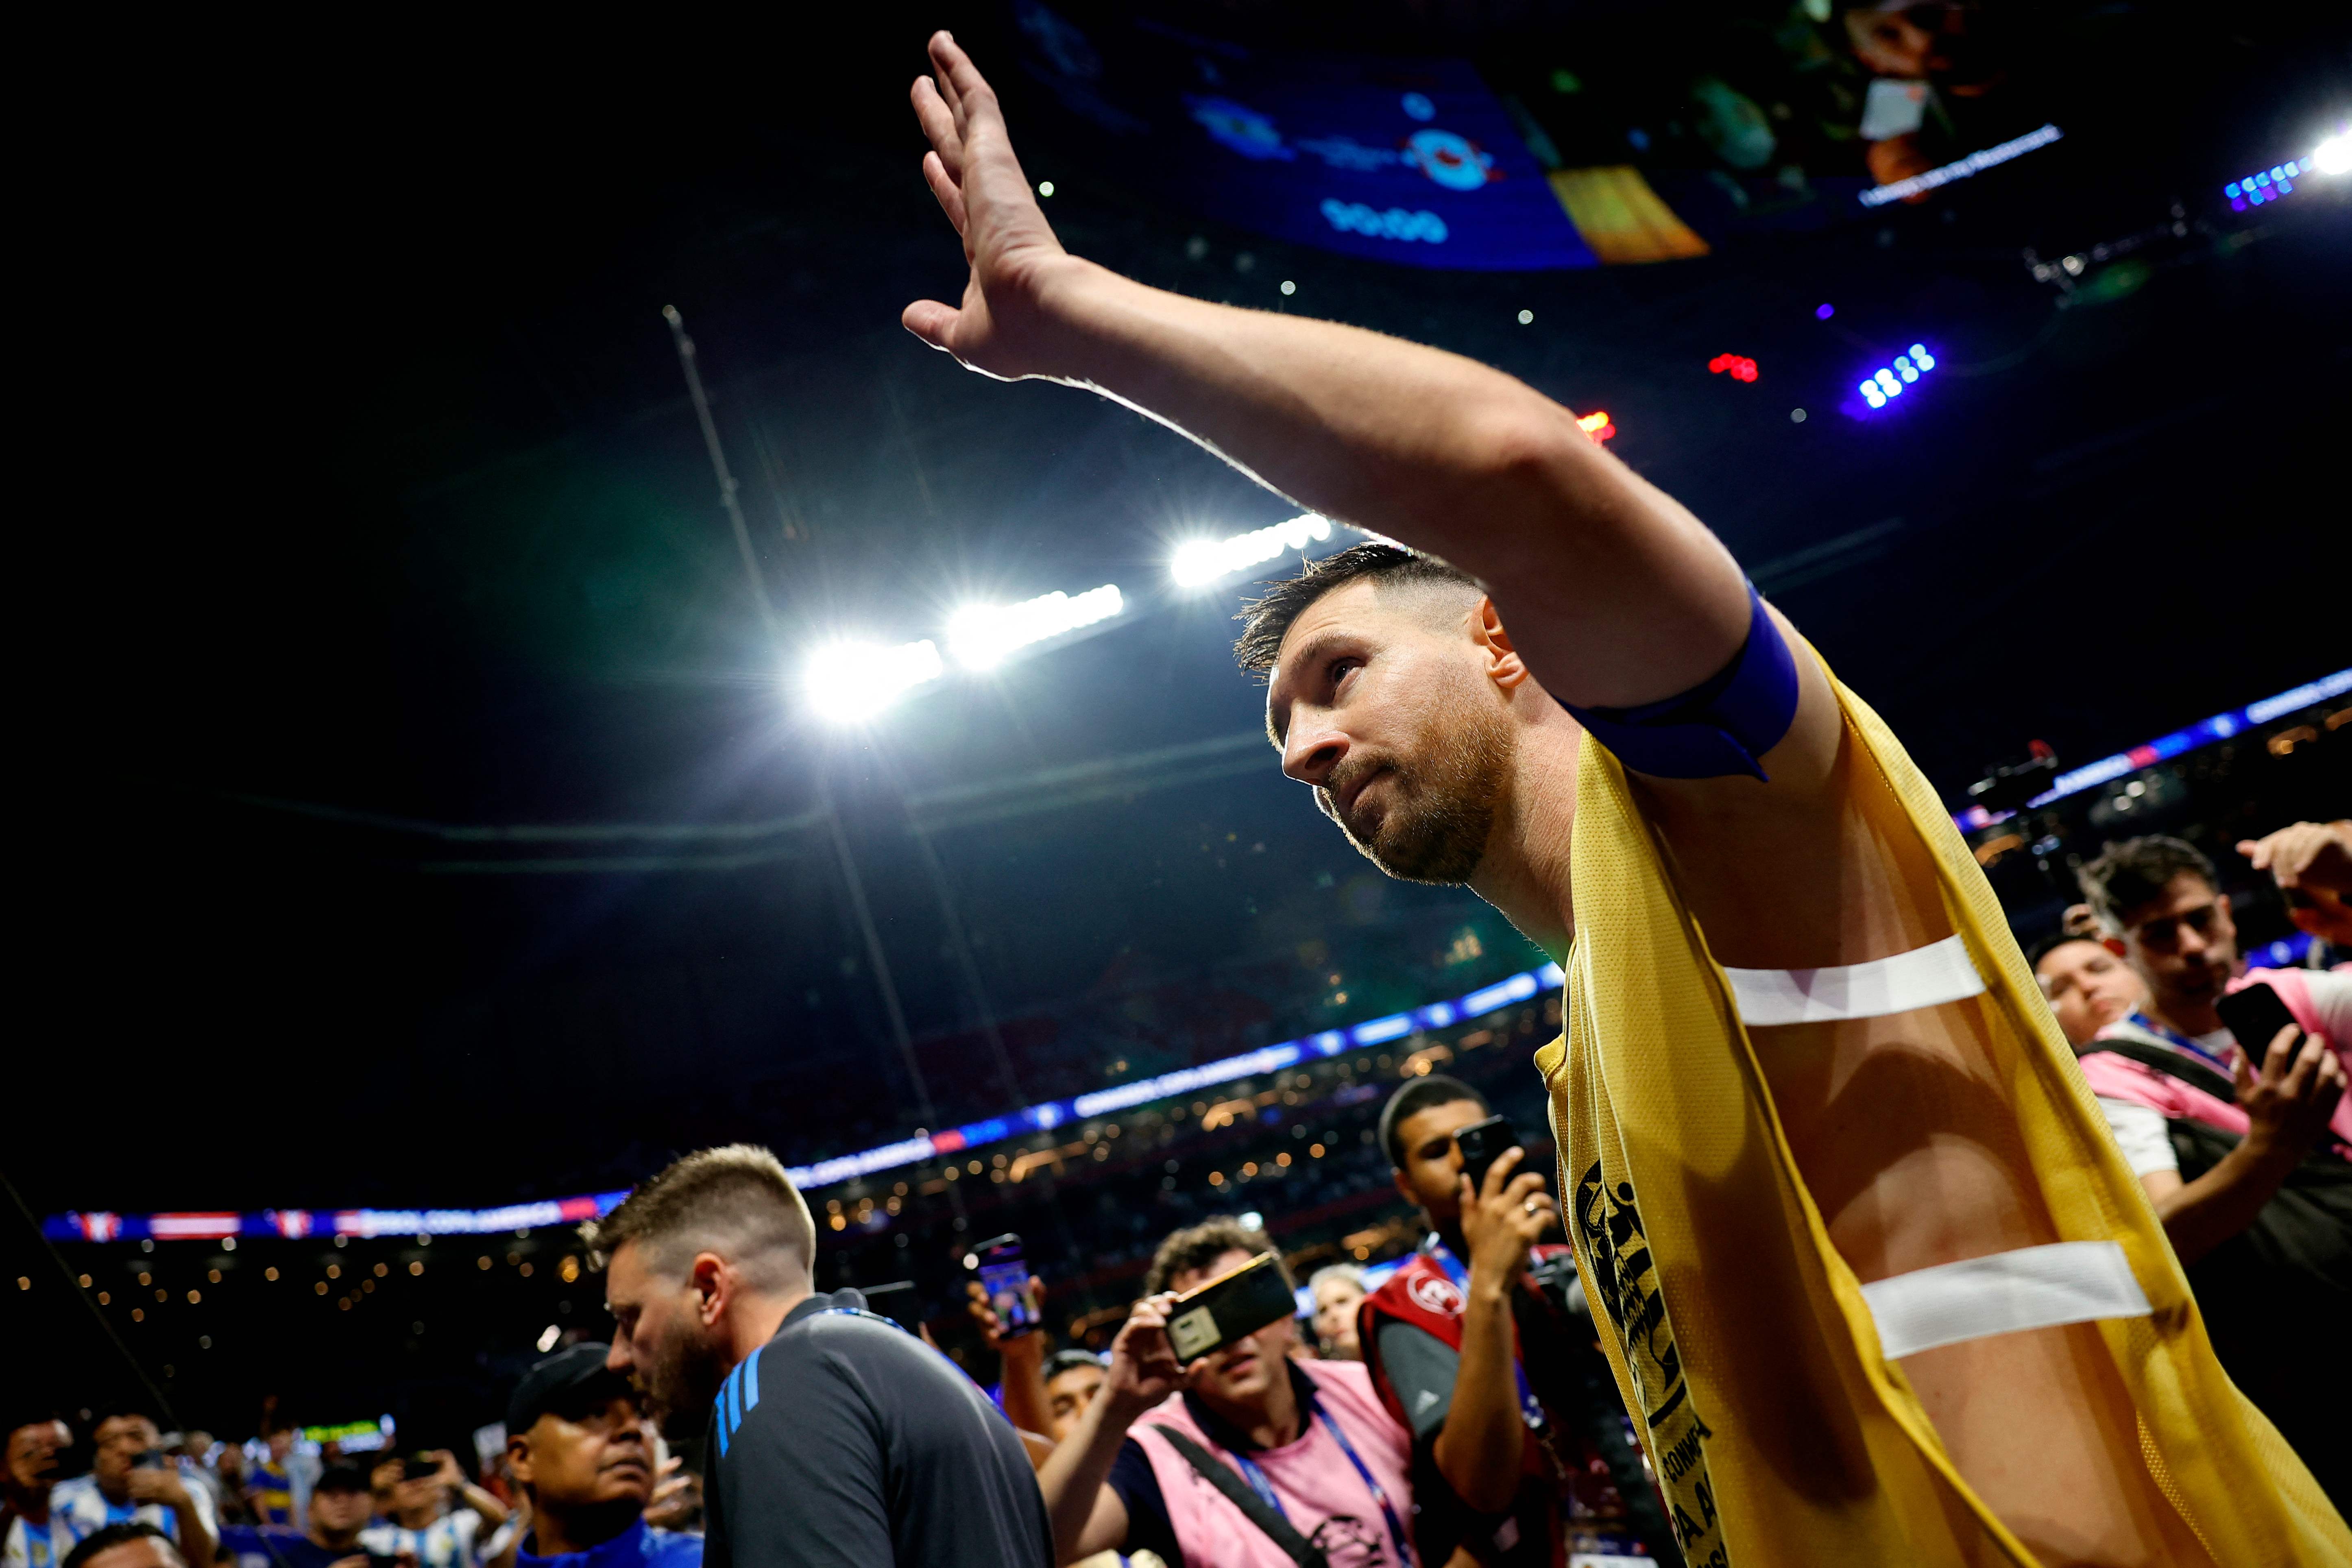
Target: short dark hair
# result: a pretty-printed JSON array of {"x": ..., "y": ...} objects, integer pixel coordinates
[
  {"x": 1265, "y": 622},
  {"x": 1198, "y": 1245},
  {"x": 112, "y": 1536},
  {"x": 2050, "y": 944},
  {"x": 1061, "y": 1361},
  {"x": 1417, "y": 1096},
  {"x": 737, "y": 1197},
  {"x": 2136, "y": 871}
]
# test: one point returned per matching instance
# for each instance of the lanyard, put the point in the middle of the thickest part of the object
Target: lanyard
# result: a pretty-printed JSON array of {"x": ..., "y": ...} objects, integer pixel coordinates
[
  {"x": 2174, "y": 1038},
  {"x": 1530, "y": 1411},
  {"x": 1265, "y": 1488}
]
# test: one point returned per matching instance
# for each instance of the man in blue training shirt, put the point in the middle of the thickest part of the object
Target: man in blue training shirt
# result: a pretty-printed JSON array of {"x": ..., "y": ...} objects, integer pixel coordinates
[
  {"x": 581, "y": 1444},
  {"x": 838, "y": 1439},
  {"x": 340, "y": 1506}
]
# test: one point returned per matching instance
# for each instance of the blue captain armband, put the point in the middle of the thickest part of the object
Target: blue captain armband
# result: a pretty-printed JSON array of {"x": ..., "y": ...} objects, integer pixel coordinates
[{"x": 1718, "y": 728}]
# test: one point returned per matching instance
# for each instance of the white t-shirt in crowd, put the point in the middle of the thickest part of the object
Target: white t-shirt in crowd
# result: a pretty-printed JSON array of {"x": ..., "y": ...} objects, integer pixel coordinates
[
  {"x": 453, "y": 1541},
  {"x": 80, "y": 1509},
  {"x": 30, "y": 1545}
]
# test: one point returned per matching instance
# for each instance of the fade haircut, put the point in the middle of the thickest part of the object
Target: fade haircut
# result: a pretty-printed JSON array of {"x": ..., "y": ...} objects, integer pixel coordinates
[
  {"x": 1267, "y": 621},
  {"x": 2136, "y": 871},
  {"x": 1198, "y": 1245},
  {"x": 2050, "y": 944},
  {"x": 735, "y": 1200},
  {"x": 1415, "y": 1098}
]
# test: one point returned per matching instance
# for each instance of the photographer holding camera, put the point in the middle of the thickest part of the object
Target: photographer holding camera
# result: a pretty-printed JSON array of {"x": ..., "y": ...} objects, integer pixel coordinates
[
  {"x": 1243, "y": 1458},
  {"x": 1491, "y": 1364}
]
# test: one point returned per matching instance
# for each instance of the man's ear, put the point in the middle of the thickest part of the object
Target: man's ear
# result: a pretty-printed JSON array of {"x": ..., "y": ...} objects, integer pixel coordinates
[
  {"x": 519, "y": 1458},
  {"x": 1403, "y": 1190},
  {"x": 713, "y": 1279},
  {"x": 1504, "y": 666}
]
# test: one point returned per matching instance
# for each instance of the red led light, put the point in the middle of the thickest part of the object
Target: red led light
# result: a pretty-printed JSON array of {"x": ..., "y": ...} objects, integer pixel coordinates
[
  {"x": 1597, "y": 426},
  {"x": 1741, "y": 367}
]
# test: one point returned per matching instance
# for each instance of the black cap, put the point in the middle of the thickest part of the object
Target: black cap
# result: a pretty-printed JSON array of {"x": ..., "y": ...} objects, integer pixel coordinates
[
  {"x": 569, "y": 1380},
  {"x": 341, "y": 1479}
]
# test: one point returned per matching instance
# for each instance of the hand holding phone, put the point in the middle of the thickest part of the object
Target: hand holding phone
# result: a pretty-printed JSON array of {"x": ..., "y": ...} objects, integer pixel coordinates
[
  {"x": 2254, "y": 1016},
  {"x": 1234, "y": 1305},
  {"x": 1006, "y": 1285},
  {"x": 1482, "y": 1142}
]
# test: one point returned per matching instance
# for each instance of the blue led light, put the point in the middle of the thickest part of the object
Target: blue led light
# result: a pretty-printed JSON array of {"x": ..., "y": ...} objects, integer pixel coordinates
[
  {"x": 1889, "y": 381},
  {"x": 2231, "y": 190}
]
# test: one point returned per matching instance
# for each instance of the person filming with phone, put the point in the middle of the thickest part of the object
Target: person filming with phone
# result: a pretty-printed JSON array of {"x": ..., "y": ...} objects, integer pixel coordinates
[
  {"x": 2225, "y": 1092},
  {"x": 1209, "y": 1446},
  {"x": 1481, "y": 1345},
  {"x": 132, "y": 1481}
]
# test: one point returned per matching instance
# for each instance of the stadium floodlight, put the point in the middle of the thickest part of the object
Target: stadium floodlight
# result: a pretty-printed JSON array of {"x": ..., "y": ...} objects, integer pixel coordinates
[
  {"x": 2333, "y": 156},
  {"x": 1200, "y": 561},
  {"x": 848, "y": 682},
  {"x": 982, "y": 636}
]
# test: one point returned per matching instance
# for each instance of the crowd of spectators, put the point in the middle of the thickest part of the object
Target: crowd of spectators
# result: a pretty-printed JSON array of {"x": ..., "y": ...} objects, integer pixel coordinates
[{"x": 1437, "y": 1398}]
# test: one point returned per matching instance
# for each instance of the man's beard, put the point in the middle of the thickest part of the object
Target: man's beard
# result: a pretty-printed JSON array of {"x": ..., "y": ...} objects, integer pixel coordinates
[
  {"x": 679, "y": 1386},
  {"x": 1440, "y": 807}
]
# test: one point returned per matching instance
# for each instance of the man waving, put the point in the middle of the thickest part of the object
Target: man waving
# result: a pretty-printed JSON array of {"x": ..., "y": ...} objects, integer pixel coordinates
[{"x": 1874, "y": 1282}]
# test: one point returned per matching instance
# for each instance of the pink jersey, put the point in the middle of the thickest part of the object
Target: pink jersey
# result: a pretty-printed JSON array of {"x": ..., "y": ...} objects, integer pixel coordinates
[{"x": 1323, "y": 1495}]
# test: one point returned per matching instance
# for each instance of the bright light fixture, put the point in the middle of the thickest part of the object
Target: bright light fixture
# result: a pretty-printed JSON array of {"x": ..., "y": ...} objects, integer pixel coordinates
[
  {"x": 1203, "y": 560},
  {"x": 549, "y": 1336},
  {"x": 849, "y": 681},
  {"x": 2333, "y": 156},
  {"x": 982, "y": 636}
]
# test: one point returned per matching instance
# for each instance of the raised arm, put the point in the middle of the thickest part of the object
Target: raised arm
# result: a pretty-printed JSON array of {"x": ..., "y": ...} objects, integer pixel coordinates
[{"x": 1615, "y": 594}]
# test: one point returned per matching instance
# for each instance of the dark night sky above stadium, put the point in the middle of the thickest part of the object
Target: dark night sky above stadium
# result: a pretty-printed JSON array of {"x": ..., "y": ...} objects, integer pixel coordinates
[{"x": 376, "y": 495}]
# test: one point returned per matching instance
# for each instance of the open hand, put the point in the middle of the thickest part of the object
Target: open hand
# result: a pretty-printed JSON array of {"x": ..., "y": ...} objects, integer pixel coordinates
[
  {"x": 2312, "y": 864},
  {"x": 999, "y": 329}
]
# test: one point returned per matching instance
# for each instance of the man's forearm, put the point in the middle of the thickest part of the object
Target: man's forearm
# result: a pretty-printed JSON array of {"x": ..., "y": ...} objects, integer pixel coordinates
[
  {"x": 2199, "y": 1215},
  {"x": 1073, "y": 1476},
  {"x": 1618, "y": 595},
  {"x": 195, "y": 1541},
  {"x": 1025, "y": 1404},
  {"x": 493, "y": 1511},
  {"x": 1479, "y": 1450}
]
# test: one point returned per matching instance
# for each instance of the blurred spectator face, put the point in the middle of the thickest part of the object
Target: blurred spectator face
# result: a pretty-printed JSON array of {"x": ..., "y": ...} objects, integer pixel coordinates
[
  {"x": 339, "y": 1512},
  {"x": 2184, "y": 944},
  {"x": 1431, "y": 1172},
  {"x": 1242, "y": 1373},
  {"x": 383, "y": 1483},
  {"x": 420, "y": 1499},
  {"x": 1335, "y": 1315},
  {"x": 659, "y": 1345},
  {"x": 587, "y": 1458},
  {"x": 2088, "y": 987},
  {"x": 1069, "y": 1392},
  {"x": 282, "y": 1443},
  {"x": 33, "y": 1462},
  {"x": 119, "y": 1440}
]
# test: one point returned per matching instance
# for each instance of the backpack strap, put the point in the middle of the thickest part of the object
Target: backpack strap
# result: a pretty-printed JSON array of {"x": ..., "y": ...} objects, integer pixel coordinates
[
  {"x": 1236, "y": 1491},
  {"x": 2170, "y": 1063}
]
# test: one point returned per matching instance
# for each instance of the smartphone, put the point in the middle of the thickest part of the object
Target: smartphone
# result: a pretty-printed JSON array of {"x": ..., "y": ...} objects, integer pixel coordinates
[
  {"x": 1234, "y": 1304},
  {"x": 1482, "y": 1142},
  {"x": 419, "y": 1468},
  {"x": 2255, "y": 1016},
  {"x": 1005, "y": 1279},
  {"x": 147, "y": 1459},
  {"x": 895, "y": 1302}
]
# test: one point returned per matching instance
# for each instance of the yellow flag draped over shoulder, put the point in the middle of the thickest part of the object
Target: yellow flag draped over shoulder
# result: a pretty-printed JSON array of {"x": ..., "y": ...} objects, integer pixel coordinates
[{"x": 1740, "y": 1340}]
